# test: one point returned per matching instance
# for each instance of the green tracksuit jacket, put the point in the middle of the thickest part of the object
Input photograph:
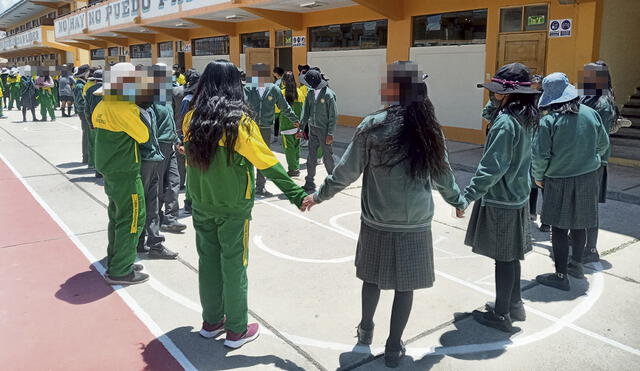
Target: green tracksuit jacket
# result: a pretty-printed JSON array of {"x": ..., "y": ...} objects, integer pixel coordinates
[
  {"x": 265, "y": 106},
  {"x": 321, "y": 112}
]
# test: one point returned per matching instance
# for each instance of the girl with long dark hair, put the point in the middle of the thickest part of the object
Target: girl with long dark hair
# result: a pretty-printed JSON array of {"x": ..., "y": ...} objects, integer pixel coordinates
[
  {"x": 401, "y": 151},
  {"x": 569, "y": 149},
  {"x": 295, "y": 96},
  {"x": 223, "y": 144},
  {"x": 499, "y": 226}
]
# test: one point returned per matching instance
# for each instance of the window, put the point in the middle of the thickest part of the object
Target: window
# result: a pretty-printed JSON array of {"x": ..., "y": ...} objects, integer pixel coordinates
[
  {"x": 140, "y": 51},
  {"x": 284, "y": 39},
  {"x": 254, "y": 40},
  {"x": 349, "y": 36},
  {"x": 457, "y": 28},
  {"x": 114, "y": 51},
  {"x": 527, "y": 18},
  {"x": 211, "y": 46},
  {"x": 165, "y": 49},
  {"x": 97, "y": 54}
]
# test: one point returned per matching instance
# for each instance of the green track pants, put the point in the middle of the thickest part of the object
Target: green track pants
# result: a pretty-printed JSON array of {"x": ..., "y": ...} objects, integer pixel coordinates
[
  {"x": 91, "y": 143},
  {"x": 291, "y": 146},
  {"x": 223, "y": 250},
  {"x": 126, "y": 220},
  {"x": 45, "y": 98},
  {"x": 14, "y": 96}
]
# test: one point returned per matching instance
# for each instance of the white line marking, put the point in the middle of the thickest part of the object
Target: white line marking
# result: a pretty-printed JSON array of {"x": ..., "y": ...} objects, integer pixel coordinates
[
  {"x": 126, "y": 297},
  {"x": 334, "y": 223},
  {"x": 259, "y": 244}
]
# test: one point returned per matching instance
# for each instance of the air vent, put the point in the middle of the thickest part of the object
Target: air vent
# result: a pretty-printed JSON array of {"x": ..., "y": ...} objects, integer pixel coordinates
[
  {"x": 181, "y": 24},
  {"x": 235, "y": 16},
  {"x": 312, "y": 4}
]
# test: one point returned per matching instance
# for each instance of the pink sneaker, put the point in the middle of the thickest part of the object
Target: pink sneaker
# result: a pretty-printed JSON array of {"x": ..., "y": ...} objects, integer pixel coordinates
[
  {"x": 235, "y": 341},
  {"x": 209, "y": 330}
]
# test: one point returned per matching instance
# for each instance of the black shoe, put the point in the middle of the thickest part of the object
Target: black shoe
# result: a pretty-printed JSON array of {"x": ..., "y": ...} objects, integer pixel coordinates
[
  {"x": 309, "y": 187},
  {"x": 516, "y": 311},
  {"x": 591, "y": 256},
  {"x": 365, "y": 337},
  {"x": 173, "y": 227},
  {"x": 132, "y": 278},
  {"x": 545, "y": 228},
  {"x": 162, "y": 253},
  {"x": 142, "y": 249},
  {"x": 262, "y": 192},
  {"x": 293, "y": 173},
  {"x": 491, "y": 319},
  {"x": 575, "y": 270},
  {"x": 187, "y": 209},
  {"x": 137, "y": 267},
  {"x": 392, "y": 357},
  {"x": 98, "y": 175},
  {"x": 556, "y": 280}
]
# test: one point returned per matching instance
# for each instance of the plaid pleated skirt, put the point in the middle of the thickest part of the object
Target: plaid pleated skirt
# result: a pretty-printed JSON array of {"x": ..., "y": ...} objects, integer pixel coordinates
[
  {"x": 401, "y": 261},
  {"x": 571, "y": 203},
  {"x": 500, "y": 234},
  {"x": 602, "y": 191}
]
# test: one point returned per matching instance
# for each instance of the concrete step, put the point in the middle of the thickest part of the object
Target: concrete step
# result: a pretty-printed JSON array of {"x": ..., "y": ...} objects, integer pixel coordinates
[
  {"x": 632, "y": 133},
  {"x": 630, "y": 111}
]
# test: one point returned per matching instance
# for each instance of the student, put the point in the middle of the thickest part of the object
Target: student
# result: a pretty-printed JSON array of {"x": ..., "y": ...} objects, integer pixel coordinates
[
  {"x": 119, "y": 131},
  {"x": 180, "y": 108},
  {"x": 499, "y": 226},
  {"x": 295, "y": 96},
  {"x": 169, "y": 177},
  {"x": 27, "y": 97},
  {"x": 189, "y": 91},
  {"x": 80, "y": 80},
  {"x": 91, "y": 101},
  {"x": 278, "y": 72},
  {"x": 151, "y": 240},
  {"x": 2, "y": 89},
  {"x": 597, "y": 93},
  {"x": 44, "y": 86},
  {"x": 65, "y": 84},
  {"x": 569, "y": 148},
  {"x": 395, "y": 246},
  {"x": 319, "y": 113},
  {"x": 4, "y": 74},
  {"x": 55, "y": 91},
  {"x": 262, "y": 97},
  {"x": 223, "y": 144},
  {"x": 178, "y": 77},
  {"x": 13, "y": 80}
]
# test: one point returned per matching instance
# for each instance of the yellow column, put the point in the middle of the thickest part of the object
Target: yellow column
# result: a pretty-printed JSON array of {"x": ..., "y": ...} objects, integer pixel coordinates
[
  {"x": 399, "y": 40},
  {"x": 154, "y": 53},
  {"x": 234, "y": 49}
]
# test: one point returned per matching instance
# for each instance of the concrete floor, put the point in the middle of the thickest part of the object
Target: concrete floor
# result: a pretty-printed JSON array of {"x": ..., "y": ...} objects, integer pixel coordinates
[{"x": 304, "y": 292}]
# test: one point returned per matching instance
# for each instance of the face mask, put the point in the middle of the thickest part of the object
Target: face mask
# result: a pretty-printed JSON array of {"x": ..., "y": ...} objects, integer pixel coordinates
[{"x": 129, "y": 89}]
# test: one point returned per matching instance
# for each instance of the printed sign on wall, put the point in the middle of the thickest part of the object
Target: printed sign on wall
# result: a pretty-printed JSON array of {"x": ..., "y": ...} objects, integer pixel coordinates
[
  {"x": 115, "y": 13},
  {"x": 560, "y": 27},
  {"x": 22, "y": 40},
  {"x": 71, "y": 25},
  {"x": 299, "y": 41}
]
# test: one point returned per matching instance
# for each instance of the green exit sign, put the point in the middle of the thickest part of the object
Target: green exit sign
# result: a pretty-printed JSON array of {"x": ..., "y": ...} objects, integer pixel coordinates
[{"x": 535, "y": 20}]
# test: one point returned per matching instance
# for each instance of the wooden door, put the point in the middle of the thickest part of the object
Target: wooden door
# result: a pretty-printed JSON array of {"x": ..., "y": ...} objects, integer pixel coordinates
[
  {"x": 529, "y": 48},
  {"x": 259, "y": 55}
]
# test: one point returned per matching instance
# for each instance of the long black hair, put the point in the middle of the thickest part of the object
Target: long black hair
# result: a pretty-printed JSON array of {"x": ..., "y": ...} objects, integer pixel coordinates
[
  {"x": 218, "y": 107},
  {"x": 570, "y": 107},
  {"x": 290, "y": 87},
  {"x": 418, "y": 137},
  {"x": 524, "y": 108}
]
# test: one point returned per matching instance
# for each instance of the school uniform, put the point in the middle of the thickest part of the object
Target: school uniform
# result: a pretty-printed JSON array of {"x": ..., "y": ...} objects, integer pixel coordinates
[
  {"x": 169, "y": 181},
  {"x": 78, "y": 101},
  {"x": 1, "y": 96},
  {"x": 499, "y": 223},
  {"x": 223, "y": 197},
  {"x": 319, "y": 113},
  {"x": 119, "y": 131},
  {"x": 45, "y": 98},
  {"x": 91, "y": 101},
  {"x": 14, "y": 91},
  {"x": 28, "y": 99},
  {"x": 568, "y": 151},
  {"x": 4, "y": 87},
  {"x": 290, "y": 143},
  {"x": 395, "y": 247},
  {"x": 263, "y": 102}
]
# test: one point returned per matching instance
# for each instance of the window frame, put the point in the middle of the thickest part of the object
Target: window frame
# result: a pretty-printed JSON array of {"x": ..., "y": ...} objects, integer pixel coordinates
[
  {"x": 522, "y": 20},
  {"x": 194, "y": 50},
  {"x": 266, "y": 33},
  {"x": 312, "y": 48},
  {"x": 170, "y": 43},
  {"x": 91, "y": 56},
  {"x": 131, "y": 53},
  {"x": 413, "y": 35}
]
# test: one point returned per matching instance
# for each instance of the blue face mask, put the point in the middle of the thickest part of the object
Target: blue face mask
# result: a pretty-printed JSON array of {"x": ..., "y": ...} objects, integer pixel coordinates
[{"x": 129, "y": 89}]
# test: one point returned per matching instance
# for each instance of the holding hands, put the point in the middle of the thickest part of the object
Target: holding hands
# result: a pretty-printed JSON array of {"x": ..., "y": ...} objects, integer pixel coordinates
[{"x": 308, "y": 203}]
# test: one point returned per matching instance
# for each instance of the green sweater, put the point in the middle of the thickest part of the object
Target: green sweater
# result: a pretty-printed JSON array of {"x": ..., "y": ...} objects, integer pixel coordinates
[
  {"x": 91, "y": 101},
  {"x": 320, "y": 113},
  {"x": 228, "y": 189},
  {"x": 166, "y": 123},
  {"x": 150, "y": 151},
  {"x": 502, "y": 178},
  {"x": 391, "y": 200},
  {"x": 285, "y": 123},
  {"x": 78, "y": 98},
  {"x": 265, "y": 106},
  {"x": 607, "y": 111},
  {"x": 569, "y": 145},
  {"x": 119, "y": 130}
]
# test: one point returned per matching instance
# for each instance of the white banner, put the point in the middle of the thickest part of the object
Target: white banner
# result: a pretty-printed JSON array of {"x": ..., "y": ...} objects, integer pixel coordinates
[
  {"x": 196, "y": 4},
  {"x": 23, "y": 40},
  {"x": 112, "y": 14},
  {"x": 157, "y": 8},
  {"x": 71, "y": 25}
]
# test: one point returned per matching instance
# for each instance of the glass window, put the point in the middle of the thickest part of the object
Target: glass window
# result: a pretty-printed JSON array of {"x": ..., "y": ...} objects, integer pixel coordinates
[
  {"x": 114, "y": 51},
  {"x": 284, "y": 38},
  {"x": 97, "y": 54},
  {"x": 211, "y": 46},
  {"x": 254, "y": 40},
  {"x": 511, "y": 19},
  {"x": 140, "y": 51},
  {"x": 535, "y": 18},
  {"x": 165, "y": 49},
  {"x": 457, "y": 28},
  {"x": 349, "y": 36}
]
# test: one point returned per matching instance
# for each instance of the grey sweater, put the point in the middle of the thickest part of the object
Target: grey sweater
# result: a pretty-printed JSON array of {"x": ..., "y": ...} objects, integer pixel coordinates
[{"x": 391, "y": 199}]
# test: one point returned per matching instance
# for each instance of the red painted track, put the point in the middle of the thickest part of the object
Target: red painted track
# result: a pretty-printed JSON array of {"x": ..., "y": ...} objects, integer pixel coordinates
[{"x": 56, "y": 312}]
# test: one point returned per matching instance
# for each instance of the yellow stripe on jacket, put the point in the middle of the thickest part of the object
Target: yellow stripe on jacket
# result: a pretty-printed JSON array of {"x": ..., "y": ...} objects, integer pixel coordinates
[
  {"x": 86, "y": 87},
  {"x": 249, "y": 143},
  {"x": 120, "y": 117}
]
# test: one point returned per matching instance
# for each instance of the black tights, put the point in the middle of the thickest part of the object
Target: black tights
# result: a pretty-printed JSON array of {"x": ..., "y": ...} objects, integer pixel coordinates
[
  {"x": 533, "y": 201},
  {"x": 560, "y": 242},
  {"x": 507, "y": 285},
  {"x": 402, "y": 303},
  {"x": 24, "y": 113}
]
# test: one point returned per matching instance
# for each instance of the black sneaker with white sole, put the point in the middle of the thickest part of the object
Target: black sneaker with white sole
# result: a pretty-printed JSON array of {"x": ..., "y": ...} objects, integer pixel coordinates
[
  {"x": 162, "y": 253},
  {"x": 132, "y": 278},
  {"x": 173, "y": 227}
]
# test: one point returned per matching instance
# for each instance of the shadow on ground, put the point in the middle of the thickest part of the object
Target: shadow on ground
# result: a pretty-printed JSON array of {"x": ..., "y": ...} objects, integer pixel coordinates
[
  {"x": 210, "y": 354},
  {"x": 83, "y": 288},
  {"x": 69, "y": 165}
]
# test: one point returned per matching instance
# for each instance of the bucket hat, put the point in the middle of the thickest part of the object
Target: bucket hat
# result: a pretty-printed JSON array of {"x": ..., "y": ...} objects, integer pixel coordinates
[
  {"x": 557, "y": 89},
  {"x": 96, "y": 76},
  {"x": 513, "y": 78},
  {"x": 82, "y": 70}
]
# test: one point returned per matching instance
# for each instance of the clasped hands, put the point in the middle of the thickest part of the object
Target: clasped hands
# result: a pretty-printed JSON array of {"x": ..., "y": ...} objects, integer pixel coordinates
[{"x": 308, "y": 203}]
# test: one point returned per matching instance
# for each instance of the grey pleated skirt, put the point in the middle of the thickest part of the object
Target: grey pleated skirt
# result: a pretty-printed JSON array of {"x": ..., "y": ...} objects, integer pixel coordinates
[
  {"x": 500, "y": 234},
  {"x": 401, "y": 261},
  {"x": 602, "y": 191},
  {"x": 571, "y": 203}
]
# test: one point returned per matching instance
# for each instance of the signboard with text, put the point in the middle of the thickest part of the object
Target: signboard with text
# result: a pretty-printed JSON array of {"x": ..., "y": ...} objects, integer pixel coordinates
[
  {"x": 23, "y": 40},
  {"x": 71, "y": 25},
  {"x": 299, "y": 41},
  {"x": 560, "y": 27}
]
